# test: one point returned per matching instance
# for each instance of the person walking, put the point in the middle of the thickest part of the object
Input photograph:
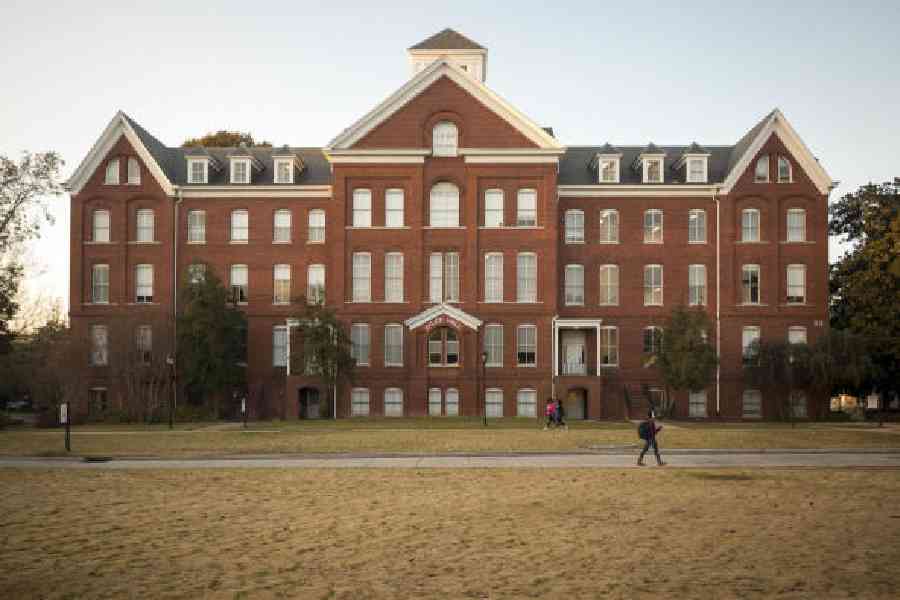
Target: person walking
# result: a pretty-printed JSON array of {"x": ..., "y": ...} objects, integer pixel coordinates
[
  {"x": 561, "y": 415},
  {"x": 648, "y": 430},
  {"x": 550, "y": 413}
]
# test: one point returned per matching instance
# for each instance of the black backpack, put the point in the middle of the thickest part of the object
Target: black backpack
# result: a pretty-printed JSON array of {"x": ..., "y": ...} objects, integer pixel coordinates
[{"x": 644, "y": 430}]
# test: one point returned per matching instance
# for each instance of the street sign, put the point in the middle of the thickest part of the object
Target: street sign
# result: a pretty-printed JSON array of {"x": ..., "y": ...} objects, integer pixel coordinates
[
  {"x": 243, "y": 406},
  {"x": 63, "y": 413}
]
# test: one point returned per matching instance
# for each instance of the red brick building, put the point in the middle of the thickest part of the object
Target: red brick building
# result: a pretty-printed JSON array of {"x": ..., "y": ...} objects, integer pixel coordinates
[{"x": 478, "y": 262}]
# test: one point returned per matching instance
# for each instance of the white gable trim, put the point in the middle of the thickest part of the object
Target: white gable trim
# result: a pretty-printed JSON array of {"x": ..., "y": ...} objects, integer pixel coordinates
[
  {"x": 779, "y": 125},
  {"x": 118, "y": 127},
  {"x": 444, "y": 309},
  {"x": 424, "y": 80}
]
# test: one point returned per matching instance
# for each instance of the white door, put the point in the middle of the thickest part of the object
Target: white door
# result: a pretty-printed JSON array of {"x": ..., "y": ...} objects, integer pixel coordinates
[{"x": 573, "y": 353}]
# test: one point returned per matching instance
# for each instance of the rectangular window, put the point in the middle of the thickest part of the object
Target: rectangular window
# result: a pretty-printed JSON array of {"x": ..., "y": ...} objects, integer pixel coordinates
[
  {"x": 315, "y": 284},
  {"x": 750, "y": 284},
  {"x": 282, "y": 284},
  {"x": 784, "y": 170},
  {"x": 609, "y": 346},
  {"x": 196, "y": 226},
  {"x": 240, "y": 286},
  {"x": 761, "y": 174},
  {"x": 279, "y": 345},
  {"x": 436, "y": 277},
  {"x": 796, "y": 225},
  {"x": 197, "y": 171},
  {"x": 609, "y": 285},
  {"x": 493, "y": 277},
  {"x": 316, "y": 226},
  {"x": 97, "y": 401},
  {"x": 696, "y": 170},
  {"x": 362, "y": 277},
  {"x": 749, "y": 344},
  {"x": 526, "y": 277},
  {"x": 281, "y": 226},
  {"x": 653, "y": 170},
  {"x": 652, "y": 340},
  {"x": 796, "y": 284},
  {"x": 145, "y": 225},
  {"x": 574, "y": 227},
  {"x": 697, "y": 404},
  {"x": 493, "y": 208},
  {"x": 100, "y": 230},
  {"x": 284, "y": 171},
  {"x": 393, "y": 402},
  {"x": 574, "y": 285},
  {"x": 393, "y": 277},
  {"x": 359, "y": 343},
  {"x": 750, "y": 225},
  {"x": 526, "y": 214},
  {"x": 100, "y": 284},
  {"x": 362, "y": 208},
  {"x": 609, "y": 227},
  {"x": 451, "y": 276},
  {"x": 653, "y": 227},
  {"x": 609, "y": 171},
  {"x": 697, "y": 226},
  {"x": 359, "y": 402},
  {"x": 143, "y": 283},
  {"x": 134, "y": 172},
  {"x": 493, "y": 403},
  {"x": 393, "y": 345},
  {"x": 196, "y": 273},
  {"x": 752, "y": 404},
  {"x": 99, "y": 345},
  {"x": 526, "y": 345},
  {"x": 797, "y": 335},
  {"x": 653, "y": 285},
  {"x": 393, "y": 208},
  {"x": 526, "y": 403},
  {"x": 434, "y": 402},
  {"x": 240, "y": 226},
  {"x": 451, "y": 405},
  {"x": 697, "y": 285},
  {"x": 493, "y": 345},
  {"x": 240, "y": 171},
  {"x": 798, "y": 404},
  {"x": 112, "y": 172}
]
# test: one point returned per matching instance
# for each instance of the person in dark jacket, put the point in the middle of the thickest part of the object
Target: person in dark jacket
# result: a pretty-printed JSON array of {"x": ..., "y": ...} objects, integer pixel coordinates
[
  {"x": 561, "y": 415},
  {"x": 650, "y": 441}
]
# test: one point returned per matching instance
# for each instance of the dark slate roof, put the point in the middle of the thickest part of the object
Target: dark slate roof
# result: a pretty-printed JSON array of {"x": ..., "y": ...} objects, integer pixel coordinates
[
  {"x": 745, "y": 141},
  {"x": 173, "y": 161},
  {"x": 448, "y": 39},
  {"x": 575, "y": 165},
  {"x": 695, "y": 148},
  {"x": 607, "y": 148}
]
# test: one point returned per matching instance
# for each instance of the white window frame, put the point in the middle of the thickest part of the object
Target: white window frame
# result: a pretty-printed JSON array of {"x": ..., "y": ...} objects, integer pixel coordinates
[
  {"x": 646, "y": 168},
  {"x": 697, "y": 285},
  {"x": 601, "y": 168},
  {"x": 761, "y": 169},
  {"x": 574, "y": 226},
  {"x": 444, "y": 139},
  {"x": 696, "y": 226},
  {"x": 651, "y": 287},
  {"x": 97, "y": 228},
  {"x": 526, "y": 402},
  {"x": 315, "y": 284},
  {"x": 656, "y": 334},
  {"x": 749, "y": 233},
  {"x": 360, "y": 343},
  {"x": 100, "y": 284},
  {"x": 493, "y": 345},
  {"x": 239, "y": 234},
  {"x": 609, "y": 339},
  {"x": 281, "y": 234},
  {"x": 493, "y": 277},
  {"x": 279, "y": 345},
  {"x": 747, "y": 290},
  {"x": 608, "y": 226},
  {"x": 362, "y": 208},
  {"x": 785, "y": 161},
  {"x": 523, "y": 344},
  {"x": 794, "y": 233},
  {"x": 801, "y": 286},
  {"x": 99, "y": 354},
  {"x": 697, "y": 404},
  {"x": 393, "y": 215},
  {"x": 798, "y": 404},
  {"x": 315, "y": 223},
  {"x": 393, "y": 329},
  {"x": 750, "y": 335},
  {"x": 435, "y": 402},
  {"x": 493, "y": 207},
  {"x": 134, "y": 171},
  {"x": 278, "y": 176},
  {"x": 451, "y": 402},
  {"x": 393, "y": 277},
  {"x": 192, "y": 174},
  {"x": 751, "y": 398},
  {"x": 573, "y": 283},
  {"x": 443, "y": 205},
  {"x": 196, "y": 224},
  {"x": 143, "y": 342},
  {"x": 143, "y": 289},
  {"x": 240, "y": 278},
  {"x": 393, "y": 402},
  {"x": 609, "y": 290},
  {"x": 359, "y": 402},
  {"x": 281, "y": 284},
  {"x": 443, "y": 277},
  {"x": 690, "y": 175},
  {"x": 526, "y": 278},
  {"x": 526, "y": 215},
  {"x": 361, "y": 270},
  {"x": 651, "y": 228},
  {"x": 145, "y": 225},
  {"x": 797, "y": 334},
  {"x": 111, "y": 176},
  {"x": 245, "y": 163},
  {"x": 493, "y": 403}
]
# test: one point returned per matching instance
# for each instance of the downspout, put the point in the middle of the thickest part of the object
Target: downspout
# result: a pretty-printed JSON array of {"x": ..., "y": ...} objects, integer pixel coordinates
[
  {"x": 718, "y": 306},
  {"x": 175, "y": 205}
]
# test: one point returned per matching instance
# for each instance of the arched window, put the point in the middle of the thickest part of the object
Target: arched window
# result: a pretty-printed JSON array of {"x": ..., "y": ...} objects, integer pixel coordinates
[
  {"x": 445, "y": 139},
  {"x": 444, "y": 206},
  {"x": 784, "y": 170},
  {"x": 134, "y": 172},
  {"x": 443, "y": 347},
  {"x": 762, "y": 169}
]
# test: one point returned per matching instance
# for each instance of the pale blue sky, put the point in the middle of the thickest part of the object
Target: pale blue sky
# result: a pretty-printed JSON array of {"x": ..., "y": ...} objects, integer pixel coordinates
[{"x": 298, "y": 73}]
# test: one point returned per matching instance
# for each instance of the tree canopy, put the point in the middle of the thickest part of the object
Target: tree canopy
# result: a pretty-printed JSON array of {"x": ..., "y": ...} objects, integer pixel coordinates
[
  {"x": 686, "y": 359},
  {"x": 225, "y": 139}
]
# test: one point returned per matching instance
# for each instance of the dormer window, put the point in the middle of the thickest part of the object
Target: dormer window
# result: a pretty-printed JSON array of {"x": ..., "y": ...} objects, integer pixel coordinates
[
  {"x": 284, "y": 171},
  {"x": 696, "y": 170},
  {"x": 445, "y": 139},
  {"x": 240, "y": 170},
  {"x": 134, "y": 172},
  {"x": 198, "y": 170},
  {"x": 112, "y": 172},
  {"x": 609, "y": 170},
  {"x": 653, "y": 170}
]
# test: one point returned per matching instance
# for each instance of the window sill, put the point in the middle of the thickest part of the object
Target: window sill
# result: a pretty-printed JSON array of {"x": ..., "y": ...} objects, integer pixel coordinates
[
  {"x": 574, "y": 305},
  {"x": 496, "y": 366},
  {"x": 241, "y": 303},
  {"x": 99, "y": 303},
  {"x": 653, "y": 243},
  {"x": 196, "y": 242},
  {"x": 315, "y": 242},
  {"x": 138, "y": 243},
  {"x": 610, "y": 366},
  {"x": 443, "y": 366},
  {"x": 393, "y": 366},
  {"x": 574, "y": 243},
  {"x": 697, "y": 242},
  {"x": 652, "y": 305},
  {"x": 239, "y": 242},
  {"x": 750, "y": 242},
  {"x": 608, "y": 305},
  {"x": 142, "y": 304},
  {"x": 281, "y": 304},
  {"x": 281, "y": 243},
  {"x": 93, "y": 243},
  {"x": 751, "y": 304},
  {"x": 383, "y": 227},
  {"x": 795, "y": 304},
  {"x": 526, "y": 366},
  {"x": 444, "y": 227},
  {"x": 798, "y": 242}
]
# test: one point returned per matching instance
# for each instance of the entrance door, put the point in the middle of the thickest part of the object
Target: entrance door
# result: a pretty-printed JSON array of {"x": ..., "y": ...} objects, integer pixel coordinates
[
  {"x": 575, "y": 405},
  {"x": 309, "y": 404},
  {"x": 573, "y": 353}
]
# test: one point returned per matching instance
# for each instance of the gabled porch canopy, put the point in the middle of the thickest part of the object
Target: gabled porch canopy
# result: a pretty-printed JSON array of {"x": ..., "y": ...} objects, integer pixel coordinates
[
  {"x": 443, "y": 314},
  {"x": 560, "y": 323}
]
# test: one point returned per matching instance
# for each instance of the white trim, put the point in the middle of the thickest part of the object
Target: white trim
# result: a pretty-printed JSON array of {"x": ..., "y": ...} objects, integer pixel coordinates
[
  {"x": 422, "y": 81},
  {"x": 116, "y": 128},
  {"x": 510, "y": 159},
  {"x": 256, "y": 191},
  {"x": 443, "y": 308},
  {"x": 380, "y": 158},
  {"x": 642, "y": 190},
  {"x": 778, "y": 125},
  {"x": 511, "y": 151}
]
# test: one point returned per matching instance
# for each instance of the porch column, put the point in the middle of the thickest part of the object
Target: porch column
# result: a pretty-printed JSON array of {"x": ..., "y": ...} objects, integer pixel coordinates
[
  {"x": 555, "y": 353},
  {"x": 597, "y": 335}
]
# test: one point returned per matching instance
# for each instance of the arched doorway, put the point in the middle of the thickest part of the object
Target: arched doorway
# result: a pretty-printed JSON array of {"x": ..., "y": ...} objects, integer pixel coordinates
[
  {"x": 575, "y": 404},
  {"x": 310, "y": 407}
]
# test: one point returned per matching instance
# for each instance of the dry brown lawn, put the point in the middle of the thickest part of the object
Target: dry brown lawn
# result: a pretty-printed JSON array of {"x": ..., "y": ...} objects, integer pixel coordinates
[
  {"x": 449, "y": 534},
  {"x": 423, "y": 436}
]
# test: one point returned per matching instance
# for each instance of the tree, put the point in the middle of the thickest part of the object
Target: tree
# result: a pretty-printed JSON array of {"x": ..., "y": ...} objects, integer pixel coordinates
[
  {"x": 686, "y": 359},
  {"x": 225, "y": 139},
  {"x": 212, "y": 339},
  {"x": 865, "y": 282},
  {"x": 326, "y": 347},
  {"x": 10, "y": 276},
  {"x": 781, "y": 369},
  {"x": 138, "y": 352}
]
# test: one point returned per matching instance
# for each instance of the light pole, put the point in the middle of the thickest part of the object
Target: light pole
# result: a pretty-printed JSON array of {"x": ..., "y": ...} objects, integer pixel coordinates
[
  {"x": 484, "y": 357},
  {"x": 170, "y": 360}
]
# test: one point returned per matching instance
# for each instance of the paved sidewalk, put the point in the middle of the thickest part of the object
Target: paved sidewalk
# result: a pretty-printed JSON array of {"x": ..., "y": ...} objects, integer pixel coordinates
[{"x": 682, "y": 459}]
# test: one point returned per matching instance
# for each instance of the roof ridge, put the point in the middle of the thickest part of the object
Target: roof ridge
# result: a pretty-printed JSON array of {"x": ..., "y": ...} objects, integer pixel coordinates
[{"x": 447, "y": 39}]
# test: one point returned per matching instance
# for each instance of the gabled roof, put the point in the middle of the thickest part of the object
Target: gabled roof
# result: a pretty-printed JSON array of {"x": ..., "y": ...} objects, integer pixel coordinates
[
  {"x": 652, "y": 148},
  {"x": 445, "y": 310},
  {"x": 448, "y": 39},
  {"x": 422, "y": 81},
  {"x": 695, "y": 148}
]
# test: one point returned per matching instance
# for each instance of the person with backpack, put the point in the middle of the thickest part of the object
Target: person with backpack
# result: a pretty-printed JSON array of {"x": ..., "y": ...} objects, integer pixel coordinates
[
  {"x": 550, "y": 413},
  {"x": 647, "y": 431},
  {"x": 561, "y": 415}
]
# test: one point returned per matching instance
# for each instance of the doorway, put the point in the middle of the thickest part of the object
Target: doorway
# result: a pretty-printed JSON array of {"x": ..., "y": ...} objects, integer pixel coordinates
[
  {"x": 575, "y": 405},
  {"x": 310, "y": 407}
]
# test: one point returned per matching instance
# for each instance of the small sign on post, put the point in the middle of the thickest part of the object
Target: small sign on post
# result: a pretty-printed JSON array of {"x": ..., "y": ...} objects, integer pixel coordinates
[
  {"x": 64, "y": 419},
  {"x": 244, "y": 410}
]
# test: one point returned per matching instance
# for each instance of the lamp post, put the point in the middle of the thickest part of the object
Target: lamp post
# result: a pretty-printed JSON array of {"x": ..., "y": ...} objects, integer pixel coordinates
[
  {"x": 484, "y": 357},
  {"x": 170, "y": 360}
]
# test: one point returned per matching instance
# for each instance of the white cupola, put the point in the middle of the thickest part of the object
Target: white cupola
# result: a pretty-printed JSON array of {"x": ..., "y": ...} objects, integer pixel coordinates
[{"x": 455, "y": 48}]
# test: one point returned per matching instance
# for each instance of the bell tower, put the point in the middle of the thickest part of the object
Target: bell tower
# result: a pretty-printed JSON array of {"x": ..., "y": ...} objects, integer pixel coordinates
[{"x": 455, "y": 48}]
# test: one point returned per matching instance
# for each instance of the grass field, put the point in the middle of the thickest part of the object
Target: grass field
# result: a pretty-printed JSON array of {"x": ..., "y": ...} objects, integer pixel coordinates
[
  {"x": 449, "y": 534},
  {"x": 426, "y": 436}
]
